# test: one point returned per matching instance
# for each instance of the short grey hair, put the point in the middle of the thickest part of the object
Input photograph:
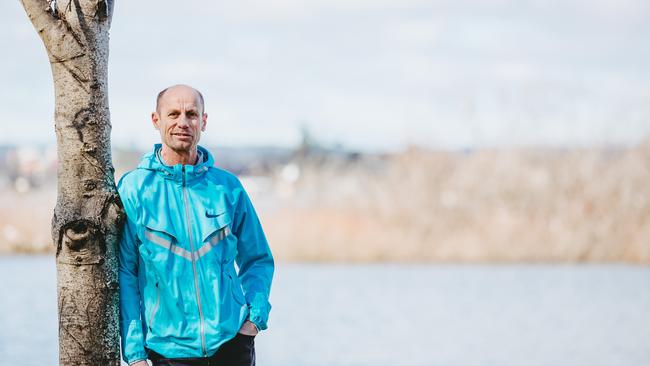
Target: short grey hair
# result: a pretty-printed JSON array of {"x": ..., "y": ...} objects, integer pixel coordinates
[{"x": 162, "y": 92}]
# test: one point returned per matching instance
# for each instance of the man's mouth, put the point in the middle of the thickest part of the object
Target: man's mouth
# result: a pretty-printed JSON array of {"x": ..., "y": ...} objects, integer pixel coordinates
[{"x": 181, "y": 134}]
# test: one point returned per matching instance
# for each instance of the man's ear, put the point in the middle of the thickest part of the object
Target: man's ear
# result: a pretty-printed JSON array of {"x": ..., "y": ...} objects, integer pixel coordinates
[
  {"x": 154, "y": 119},
  {"x": 205, "y": 121}
]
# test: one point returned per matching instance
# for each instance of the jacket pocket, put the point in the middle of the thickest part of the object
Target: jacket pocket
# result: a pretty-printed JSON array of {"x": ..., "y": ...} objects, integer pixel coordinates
[
  {"x": 237, "y": 291},
  {"x": 156, "y": 306}
]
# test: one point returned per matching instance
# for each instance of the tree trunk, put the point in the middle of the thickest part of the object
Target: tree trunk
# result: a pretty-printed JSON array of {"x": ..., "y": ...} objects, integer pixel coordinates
[{"x": 88, "y": 216}]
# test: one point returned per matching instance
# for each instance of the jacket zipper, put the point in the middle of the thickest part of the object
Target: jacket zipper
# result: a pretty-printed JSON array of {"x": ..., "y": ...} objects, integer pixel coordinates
[{"x": 196, "y": 281}]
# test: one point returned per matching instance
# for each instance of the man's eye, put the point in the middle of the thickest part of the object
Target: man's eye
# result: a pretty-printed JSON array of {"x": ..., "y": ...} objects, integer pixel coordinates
[{"x": 173, "y": 114}]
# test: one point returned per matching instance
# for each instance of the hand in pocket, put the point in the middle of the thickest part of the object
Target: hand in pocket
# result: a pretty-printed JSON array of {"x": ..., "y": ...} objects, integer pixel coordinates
[{"x": 248, "y": 328}]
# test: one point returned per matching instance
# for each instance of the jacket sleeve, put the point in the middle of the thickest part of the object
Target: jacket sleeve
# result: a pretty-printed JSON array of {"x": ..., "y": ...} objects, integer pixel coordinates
[
  {"x": 255, "y": 261},
  {"x": 131, "y": 333}
]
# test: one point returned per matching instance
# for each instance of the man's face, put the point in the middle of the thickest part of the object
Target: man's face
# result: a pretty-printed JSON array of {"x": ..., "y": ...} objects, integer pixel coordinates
[{"x": 180, "y": 119}]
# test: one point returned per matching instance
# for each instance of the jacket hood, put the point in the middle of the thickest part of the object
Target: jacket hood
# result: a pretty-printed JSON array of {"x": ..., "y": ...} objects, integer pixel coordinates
[{"x": 151, "y": 161}]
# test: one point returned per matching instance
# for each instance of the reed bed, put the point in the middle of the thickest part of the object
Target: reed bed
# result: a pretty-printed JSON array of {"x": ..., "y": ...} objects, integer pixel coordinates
[
  {"x": 514, "y": 205},
  {"x": 501, "y": 205}
]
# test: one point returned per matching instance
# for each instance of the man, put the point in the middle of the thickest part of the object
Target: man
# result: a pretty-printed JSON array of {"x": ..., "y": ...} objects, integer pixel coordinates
[{"x": 182, "y": 302}]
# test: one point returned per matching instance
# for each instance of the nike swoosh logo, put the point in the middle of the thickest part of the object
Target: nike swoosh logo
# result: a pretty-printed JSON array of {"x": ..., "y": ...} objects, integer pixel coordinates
[{"x": 213, "y": 214}]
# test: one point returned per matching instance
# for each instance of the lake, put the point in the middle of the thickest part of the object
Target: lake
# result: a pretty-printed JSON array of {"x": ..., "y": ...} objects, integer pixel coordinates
[{"x": 395, "y": 314}]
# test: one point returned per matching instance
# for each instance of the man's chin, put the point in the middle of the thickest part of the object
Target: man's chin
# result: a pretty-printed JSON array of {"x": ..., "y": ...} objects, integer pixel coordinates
[{"x": 181, "y": 146}]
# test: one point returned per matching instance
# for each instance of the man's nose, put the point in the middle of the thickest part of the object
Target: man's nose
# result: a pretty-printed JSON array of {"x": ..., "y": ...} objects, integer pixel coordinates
[{"x": 183, "y": 121}]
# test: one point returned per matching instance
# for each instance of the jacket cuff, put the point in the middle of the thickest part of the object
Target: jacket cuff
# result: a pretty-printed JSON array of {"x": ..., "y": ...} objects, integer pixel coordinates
[
  {"x": 132, "y": 345},
  {"x": 257, "y": 323},
  {"x": 259, "y": 315},
  {"x": 136, "y": 358}
]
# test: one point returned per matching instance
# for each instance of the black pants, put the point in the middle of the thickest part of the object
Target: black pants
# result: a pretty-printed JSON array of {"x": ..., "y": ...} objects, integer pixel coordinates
[{"x": 239, "y": 351}]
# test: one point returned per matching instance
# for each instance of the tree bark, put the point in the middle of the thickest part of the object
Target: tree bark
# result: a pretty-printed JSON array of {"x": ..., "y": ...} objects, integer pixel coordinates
[{"x": 88, "y": 215}]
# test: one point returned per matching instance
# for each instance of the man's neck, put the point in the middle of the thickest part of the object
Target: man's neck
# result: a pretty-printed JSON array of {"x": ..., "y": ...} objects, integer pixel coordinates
[{"x": 172, "y": 157}]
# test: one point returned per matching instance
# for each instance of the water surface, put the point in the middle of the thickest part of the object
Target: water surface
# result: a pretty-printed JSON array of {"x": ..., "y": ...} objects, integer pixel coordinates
[{"x": 388, "y": 314}]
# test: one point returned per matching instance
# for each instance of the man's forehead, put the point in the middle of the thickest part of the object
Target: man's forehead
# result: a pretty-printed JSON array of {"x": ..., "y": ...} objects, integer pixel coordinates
[
  {"x": 180, "y": 96},
  {"x": 185, "y": 96}
]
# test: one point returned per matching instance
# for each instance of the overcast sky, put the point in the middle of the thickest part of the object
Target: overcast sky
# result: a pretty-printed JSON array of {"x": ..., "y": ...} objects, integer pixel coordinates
[{"x": 369, "y": 74}]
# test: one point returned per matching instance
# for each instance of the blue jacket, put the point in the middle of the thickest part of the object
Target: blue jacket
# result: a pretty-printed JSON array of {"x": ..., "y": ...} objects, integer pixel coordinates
[{"x": 187, "y": 226}]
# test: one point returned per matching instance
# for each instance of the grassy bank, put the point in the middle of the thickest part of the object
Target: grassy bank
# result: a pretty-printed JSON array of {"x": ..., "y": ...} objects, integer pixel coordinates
[{"x": 485, "y": 206}]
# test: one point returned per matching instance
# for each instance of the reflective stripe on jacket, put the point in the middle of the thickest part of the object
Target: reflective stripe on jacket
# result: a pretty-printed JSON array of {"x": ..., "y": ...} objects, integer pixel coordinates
[{"x": 187, "y": 226}]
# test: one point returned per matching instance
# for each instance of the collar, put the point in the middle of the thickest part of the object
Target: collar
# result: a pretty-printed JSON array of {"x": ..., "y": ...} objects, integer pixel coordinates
[
  {"x": 199, "y": 157},
  {"x": 177, "y": 172}
]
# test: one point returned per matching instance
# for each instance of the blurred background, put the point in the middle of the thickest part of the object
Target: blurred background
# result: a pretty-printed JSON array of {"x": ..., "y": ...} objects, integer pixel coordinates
[{"x": 434, "y": 177}]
